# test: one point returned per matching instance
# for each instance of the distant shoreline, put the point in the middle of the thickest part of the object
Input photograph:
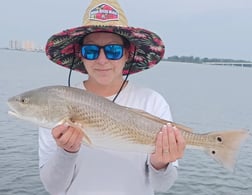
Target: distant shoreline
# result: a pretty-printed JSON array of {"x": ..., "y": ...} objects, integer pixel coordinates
[
  {"x": 182, "y": 59},
  {"x": 23, "y": 50},
  {"x": 204, "y": 60}
]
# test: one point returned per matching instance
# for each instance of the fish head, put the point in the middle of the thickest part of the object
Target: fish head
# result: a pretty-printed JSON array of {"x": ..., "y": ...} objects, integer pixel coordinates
[{"x": 33, "y": 106}]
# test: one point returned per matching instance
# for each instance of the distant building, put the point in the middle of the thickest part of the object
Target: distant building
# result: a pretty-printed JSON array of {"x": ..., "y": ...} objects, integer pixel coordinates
[
  {"x": 28, "y": 45},
  {"x": 14, "y": 44},
  {"x": 25, "y": 46}
]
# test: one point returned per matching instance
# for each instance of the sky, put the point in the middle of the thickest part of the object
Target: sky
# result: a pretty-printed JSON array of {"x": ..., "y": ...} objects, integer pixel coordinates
[{"x": 202, "y": 28}]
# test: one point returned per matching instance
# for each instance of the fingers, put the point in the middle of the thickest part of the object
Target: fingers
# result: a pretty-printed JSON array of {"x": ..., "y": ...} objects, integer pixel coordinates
[
  {"x": 171, "y": 139},
  {"x": 170, "y": 146},
  {"x": 58, "y": 131},
  {"x": 67, "y": 137},
  {"x": 159, "y": 143},
  {"x": 162, "y": 141},
  {"x": 165, "y": 140},
  {"x": 176, "y": 143},
  {"x": 181, "y": 143},
  {"x": 166, "y": 143}
]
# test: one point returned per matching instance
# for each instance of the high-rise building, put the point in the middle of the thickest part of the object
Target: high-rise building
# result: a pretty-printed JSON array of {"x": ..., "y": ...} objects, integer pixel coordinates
[
  {"x": 24, "y": 45},
  {"x": 14, "y": 44},
  {"x": 28, "y": 45}
]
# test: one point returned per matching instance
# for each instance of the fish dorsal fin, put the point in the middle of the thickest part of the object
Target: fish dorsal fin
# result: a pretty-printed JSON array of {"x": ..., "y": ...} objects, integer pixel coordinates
[
  {"x": 157, "y": 119},
  {"x": 69, "y": 122}
]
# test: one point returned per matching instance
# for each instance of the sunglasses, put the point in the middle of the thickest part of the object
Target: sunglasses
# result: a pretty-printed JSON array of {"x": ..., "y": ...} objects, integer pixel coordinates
[{"x": 111, "y": 51}]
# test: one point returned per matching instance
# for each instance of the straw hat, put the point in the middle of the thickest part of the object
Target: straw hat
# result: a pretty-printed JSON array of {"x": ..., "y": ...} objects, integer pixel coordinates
[{"x": 146, "y": 47}]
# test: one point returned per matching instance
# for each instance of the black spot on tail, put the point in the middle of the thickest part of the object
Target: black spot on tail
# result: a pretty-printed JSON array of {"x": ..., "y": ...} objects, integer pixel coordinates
[{"x": 219, "y": 139}]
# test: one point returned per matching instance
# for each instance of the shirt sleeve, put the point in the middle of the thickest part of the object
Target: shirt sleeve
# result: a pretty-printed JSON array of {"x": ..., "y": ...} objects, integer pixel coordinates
[
  {"x": 55, "y": 175},
  {"x": 163, "y": 179}
]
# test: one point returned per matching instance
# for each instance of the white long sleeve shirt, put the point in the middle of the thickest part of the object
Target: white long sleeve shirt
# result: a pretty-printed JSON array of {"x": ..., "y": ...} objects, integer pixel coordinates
[{"x": 93, "y": 171}]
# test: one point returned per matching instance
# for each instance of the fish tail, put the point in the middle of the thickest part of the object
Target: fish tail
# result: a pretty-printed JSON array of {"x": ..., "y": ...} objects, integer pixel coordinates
[{"x": 227, "y": 146}]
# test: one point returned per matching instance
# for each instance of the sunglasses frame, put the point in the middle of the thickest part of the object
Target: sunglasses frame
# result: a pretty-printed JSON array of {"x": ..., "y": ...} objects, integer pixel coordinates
[{"x": 106, "y": 51}]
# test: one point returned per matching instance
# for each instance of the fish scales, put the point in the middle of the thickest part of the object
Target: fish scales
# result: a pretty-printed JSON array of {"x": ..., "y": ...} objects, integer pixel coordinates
[
  {"x": 109, "y": 119},
  {"x": 198, "y": 140},
  {"x": 108, "y": 125}
]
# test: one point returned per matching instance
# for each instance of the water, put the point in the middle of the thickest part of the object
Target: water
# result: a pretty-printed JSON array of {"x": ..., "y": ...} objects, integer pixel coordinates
[{"x": 203, "y": 97}]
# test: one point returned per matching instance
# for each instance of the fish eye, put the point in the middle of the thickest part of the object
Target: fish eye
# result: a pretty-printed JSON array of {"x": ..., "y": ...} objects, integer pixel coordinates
[{"x": 23, "y": 100}]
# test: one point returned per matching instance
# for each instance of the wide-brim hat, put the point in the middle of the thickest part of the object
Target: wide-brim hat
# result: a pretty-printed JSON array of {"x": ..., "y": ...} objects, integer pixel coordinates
[{"x": 146, "y": 47}]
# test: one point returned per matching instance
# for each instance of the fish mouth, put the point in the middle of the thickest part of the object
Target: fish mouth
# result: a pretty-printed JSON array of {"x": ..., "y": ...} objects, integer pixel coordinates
[
  {"x": 16, "y": 115},
  {"x": 12, "y": 110},
  {"x": 13, "y": 113}
]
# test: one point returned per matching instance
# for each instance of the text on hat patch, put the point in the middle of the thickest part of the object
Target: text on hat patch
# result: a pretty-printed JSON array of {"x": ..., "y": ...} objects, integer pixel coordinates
[{"x": 104, "y": 12}]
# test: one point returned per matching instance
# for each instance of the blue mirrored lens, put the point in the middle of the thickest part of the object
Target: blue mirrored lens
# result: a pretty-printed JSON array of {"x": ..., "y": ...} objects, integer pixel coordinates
[
  {"x": 112, "y": 51},
  {"x": 90, "y": 52}
]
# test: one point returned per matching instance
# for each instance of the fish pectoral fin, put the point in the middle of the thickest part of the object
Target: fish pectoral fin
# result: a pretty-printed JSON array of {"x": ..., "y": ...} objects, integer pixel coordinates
[
  {"x": 78, "y": 126},
  {"x": 157, "y": 119}
]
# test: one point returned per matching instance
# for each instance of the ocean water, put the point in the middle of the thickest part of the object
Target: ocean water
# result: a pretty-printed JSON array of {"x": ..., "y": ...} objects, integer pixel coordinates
[{"x": 203, "y": 97}]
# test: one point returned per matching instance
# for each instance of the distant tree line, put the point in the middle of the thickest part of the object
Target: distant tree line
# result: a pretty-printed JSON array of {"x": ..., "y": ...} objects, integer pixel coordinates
[{"x": 192, "y": 59}]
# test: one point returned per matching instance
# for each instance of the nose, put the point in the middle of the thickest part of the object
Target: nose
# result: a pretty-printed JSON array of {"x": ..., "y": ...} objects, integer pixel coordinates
[{"x": 102, "y": 57}]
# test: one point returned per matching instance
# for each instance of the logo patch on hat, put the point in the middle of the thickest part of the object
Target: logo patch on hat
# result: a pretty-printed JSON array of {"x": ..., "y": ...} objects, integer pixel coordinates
[{"x": 104, "y": 12}]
